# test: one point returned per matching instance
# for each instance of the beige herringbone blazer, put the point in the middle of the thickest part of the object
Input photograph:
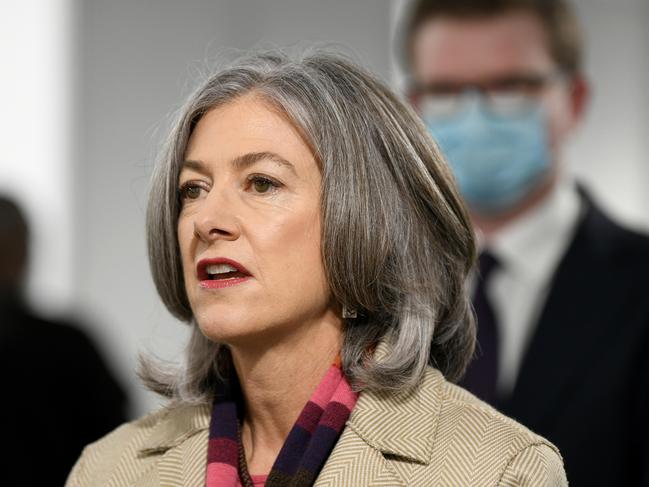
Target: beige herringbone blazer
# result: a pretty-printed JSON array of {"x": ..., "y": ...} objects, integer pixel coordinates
[{"x": 439, "y": 435}]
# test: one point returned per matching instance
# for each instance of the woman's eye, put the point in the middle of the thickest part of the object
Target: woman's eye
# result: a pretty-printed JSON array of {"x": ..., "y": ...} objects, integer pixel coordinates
[
  {"x": 189, "y": 191},
  {"x": 262, "y": 185}
]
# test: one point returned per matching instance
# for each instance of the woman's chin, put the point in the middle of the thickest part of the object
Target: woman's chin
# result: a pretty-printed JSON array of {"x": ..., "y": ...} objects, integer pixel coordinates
[
  {"x": 232, "y": 331},
  {"x": 223, "y": 332}
]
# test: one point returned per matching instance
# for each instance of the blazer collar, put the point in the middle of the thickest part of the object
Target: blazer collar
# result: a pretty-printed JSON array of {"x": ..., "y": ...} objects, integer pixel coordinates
[
  {"x": 401, "y": 424},
  {"x": 176, "y": 426}
]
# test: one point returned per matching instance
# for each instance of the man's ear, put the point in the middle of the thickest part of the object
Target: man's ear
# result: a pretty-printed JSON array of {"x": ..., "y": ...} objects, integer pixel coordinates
[{"x": 580, "y": 94}]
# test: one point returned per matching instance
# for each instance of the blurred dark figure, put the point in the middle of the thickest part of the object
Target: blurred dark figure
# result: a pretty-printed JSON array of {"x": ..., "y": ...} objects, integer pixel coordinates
[
  {"x": 562, "y": 296},
  {"x": 58, "y": 394}
]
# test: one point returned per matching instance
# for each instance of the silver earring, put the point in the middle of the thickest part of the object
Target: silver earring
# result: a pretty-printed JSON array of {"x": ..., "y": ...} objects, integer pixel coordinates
[{"x": 349, "y": 312}]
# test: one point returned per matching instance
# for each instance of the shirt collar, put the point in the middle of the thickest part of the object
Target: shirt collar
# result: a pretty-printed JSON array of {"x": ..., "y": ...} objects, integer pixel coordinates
[{"x": 532, "y": 245}]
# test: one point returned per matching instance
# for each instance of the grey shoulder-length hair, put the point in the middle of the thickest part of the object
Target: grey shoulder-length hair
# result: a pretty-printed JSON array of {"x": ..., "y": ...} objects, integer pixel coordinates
[{"x": 397, "y": 242}]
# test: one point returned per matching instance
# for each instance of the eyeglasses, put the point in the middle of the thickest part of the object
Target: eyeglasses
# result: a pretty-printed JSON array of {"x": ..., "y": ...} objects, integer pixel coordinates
[{"x": 503, "y": 97}]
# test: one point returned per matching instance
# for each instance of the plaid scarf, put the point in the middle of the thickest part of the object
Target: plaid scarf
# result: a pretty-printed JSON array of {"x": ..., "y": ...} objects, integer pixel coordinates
[{"x": 306, "y": 449}]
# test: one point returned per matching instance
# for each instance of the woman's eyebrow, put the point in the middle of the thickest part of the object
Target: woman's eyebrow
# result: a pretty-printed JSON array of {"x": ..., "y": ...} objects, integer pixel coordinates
[
  {"x": 241, "y": 162},
  {"x": 247, "y": 160},
  {"x": 194, "y": 165}
]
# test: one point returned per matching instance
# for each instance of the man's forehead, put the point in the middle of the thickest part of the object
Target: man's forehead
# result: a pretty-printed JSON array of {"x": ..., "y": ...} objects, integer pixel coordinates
[{"x": 475, "y": 49}]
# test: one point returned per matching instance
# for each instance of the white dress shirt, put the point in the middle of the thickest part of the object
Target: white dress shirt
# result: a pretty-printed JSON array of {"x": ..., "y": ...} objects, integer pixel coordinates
[{"x": 529, "y": 251}]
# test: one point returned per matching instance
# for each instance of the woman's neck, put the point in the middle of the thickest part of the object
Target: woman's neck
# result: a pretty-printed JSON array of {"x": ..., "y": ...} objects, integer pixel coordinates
[{"x": 277, "y": 381}]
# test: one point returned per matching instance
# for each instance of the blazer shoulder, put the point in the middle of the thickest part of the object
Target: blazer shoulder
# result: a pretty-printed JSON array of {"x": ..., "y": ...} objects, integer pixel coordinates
[
  {"x": 440, "y": 434},
  {"x": 538, "y": 465},
  {"x": 99, "y": 459},
  {"x": 132, "y": 449},
  {"x": 459, "y": 401},
  {"x": 495, "y": 443}
]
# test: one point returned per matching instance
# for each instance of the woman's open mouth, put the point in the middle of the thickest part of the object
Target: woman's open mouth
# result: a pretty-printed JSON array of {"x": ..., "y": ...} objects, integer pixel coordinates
[{"x": 221, "y": 272}]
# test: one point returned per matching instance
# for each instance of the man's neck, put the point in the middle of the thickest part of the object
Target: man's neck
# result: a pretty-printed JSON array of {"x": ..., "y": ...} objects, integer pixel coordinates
[{"x": 490, "y": 224}]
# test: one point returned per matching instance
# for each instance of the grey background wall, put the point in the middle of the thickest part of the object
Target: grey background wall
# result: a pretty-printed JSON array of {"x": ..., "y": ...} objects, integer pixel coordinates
[
  {"x": 611, "y": 151},
  {"x": 135, "y": 60}
]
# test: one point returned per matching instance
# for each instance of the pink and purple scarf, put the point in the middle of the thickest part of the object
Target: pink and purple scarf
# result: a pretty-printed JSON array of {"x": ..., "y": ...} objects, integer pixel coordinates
[{"x": 305, "y": 450}]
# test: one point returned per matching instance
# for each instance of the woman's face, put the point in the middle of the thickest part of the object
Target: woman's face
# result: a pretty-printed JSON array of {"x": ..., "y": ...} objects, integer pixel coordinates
[{"x": 249, "y": 227}]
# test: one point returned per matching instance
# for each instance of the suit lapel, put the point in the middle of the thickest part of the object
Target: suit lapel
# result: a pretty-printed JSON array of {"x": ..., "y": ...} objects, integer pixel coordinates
[
  {"x": 382, "y": 429},
  {"x": 185, "y": 465},
  {"x": 571, "y": 331},
  {"x": 180, "y": 441},
  {"x": 148, "y": 479},
  {"x": 354, "y": 462}
]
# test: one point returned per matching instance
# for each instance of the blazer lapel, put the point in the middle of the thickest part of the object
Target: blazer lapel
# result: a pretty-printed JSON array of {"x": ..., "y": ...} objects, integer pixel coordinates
[
  {"x": 180, "y": 441},
  {"x": 354, "y": 462},
  {"x": 387, "y": 435}
]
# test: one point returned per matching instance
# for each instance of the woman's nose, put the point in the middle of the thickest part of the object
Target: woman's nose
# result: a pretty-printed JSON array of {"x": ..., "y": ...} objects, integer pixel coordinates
[{"x": 216, "y": 219}]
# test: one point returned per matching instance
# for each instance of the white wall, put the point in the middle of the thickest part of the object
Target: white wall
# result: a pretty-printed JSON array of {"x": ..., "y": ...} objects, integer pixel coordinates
[
  {"x": 611, "y": 151},
  {"x": 35, "y": 166}
]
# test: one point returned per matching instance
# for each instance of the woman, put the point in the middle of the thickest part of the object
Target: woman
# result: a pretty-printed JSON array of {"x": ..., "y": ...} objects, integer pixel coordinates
[{"x": 304, "y": 225}]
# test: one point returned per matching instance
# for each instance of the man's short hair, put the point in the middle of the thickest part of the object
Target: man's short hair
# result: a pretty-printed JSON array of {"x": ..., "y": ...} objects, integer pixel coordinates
[{"x": 557, "y": 16}]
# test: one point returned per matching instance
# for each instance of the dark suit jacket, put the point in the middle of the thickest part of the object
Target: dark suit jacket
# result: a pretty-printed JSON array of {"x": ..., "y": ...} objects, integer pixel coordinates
[
  {"x": 58, "y": 395},
  {"x": 584, "y": 381}
]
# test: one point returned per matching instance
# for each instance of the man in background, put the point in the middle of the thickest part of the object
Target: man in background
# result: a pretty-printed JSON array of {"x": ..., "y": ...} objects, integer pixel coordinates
[
  {"x": 562, "y": 296},
  {"x": 58, "y": 395}
]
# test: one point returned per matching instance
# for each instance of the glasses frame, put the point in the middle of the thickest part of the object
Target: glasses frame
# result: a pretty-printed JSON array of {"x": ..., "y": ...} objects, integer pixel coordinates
[{"x": 523, "y": 93}]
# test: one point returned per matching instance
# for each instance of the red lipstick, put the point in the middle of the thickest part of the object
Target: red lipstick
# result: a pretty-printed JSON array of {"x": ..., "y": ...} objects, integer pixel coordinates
[{"x": 225, "y": 278}]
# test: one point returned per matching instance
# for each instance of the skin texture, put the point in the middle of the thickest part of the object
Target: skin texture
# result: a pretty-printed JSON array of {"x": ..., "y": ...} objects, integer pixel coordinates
[
  {"x": 272, "y": 321},
  {"x": 484, "y": 49}
]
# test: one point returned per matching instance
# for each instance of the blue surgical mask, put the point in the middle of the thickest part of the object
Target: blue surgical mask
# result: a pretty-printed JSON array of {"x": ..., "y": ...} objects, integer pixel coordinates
[{"x": 497, "y": 160}]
